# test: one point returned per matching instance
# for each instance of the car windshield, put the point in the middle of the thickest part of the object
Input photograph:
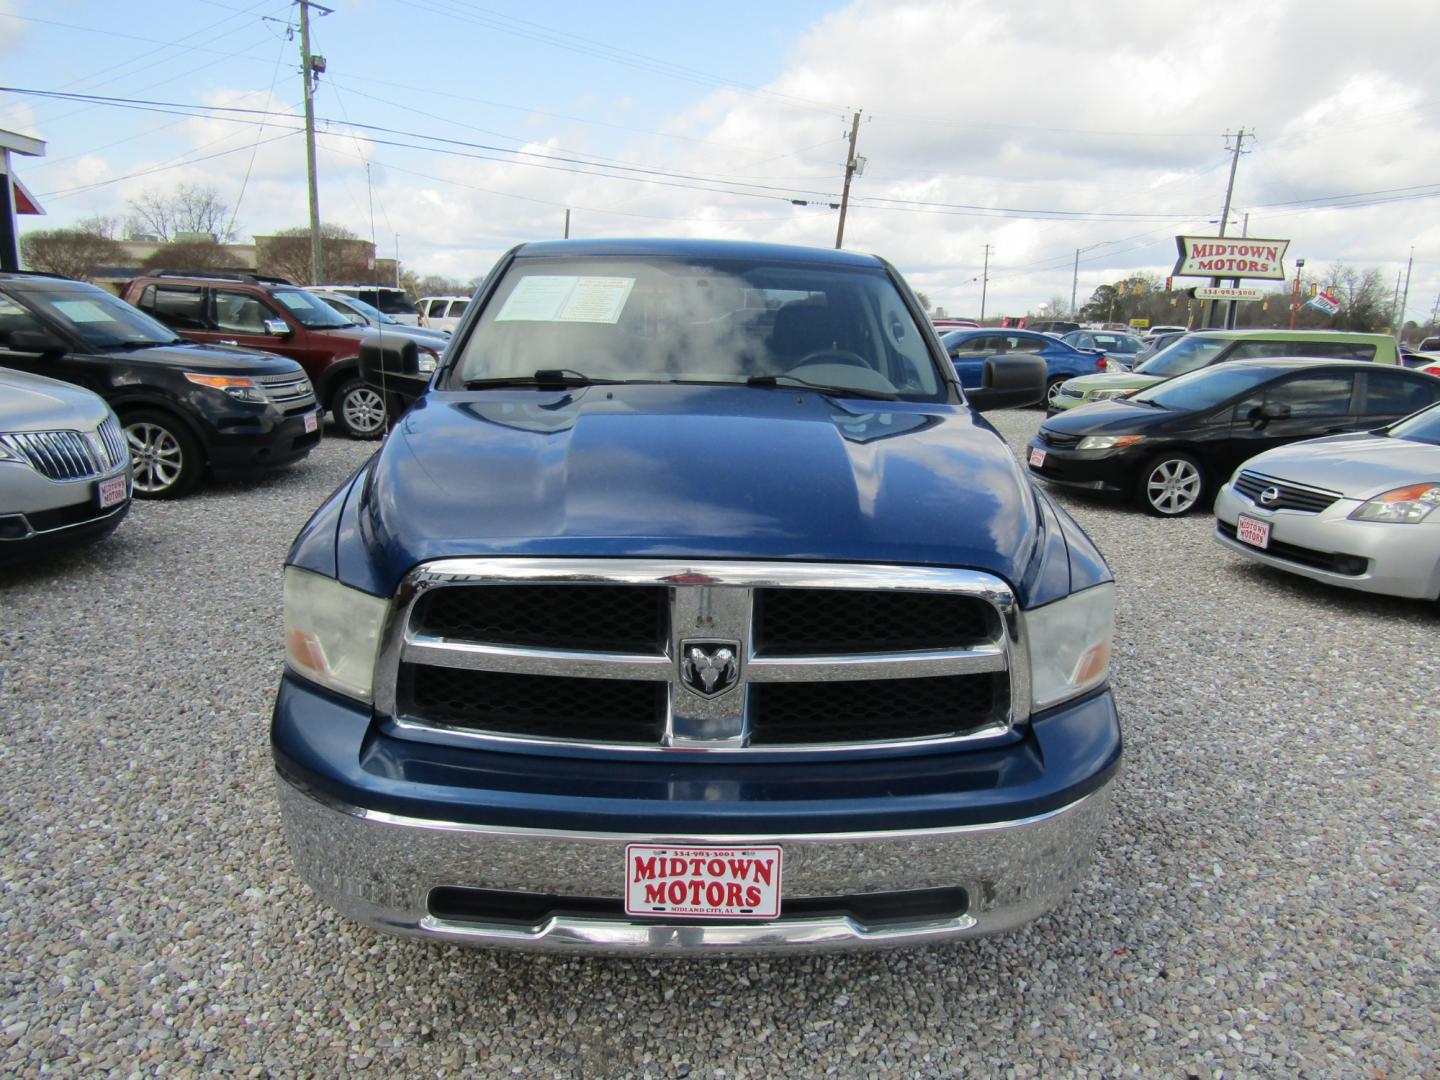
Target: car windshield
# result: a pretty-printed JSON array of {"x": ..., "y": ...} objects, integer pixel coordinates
[
  {"x": 1423, "y": 427},
  {"x": 702, "y": 320},
  {"x": 309, "y": 310},
  {"x": 99, "y": 319},
  {"x": 1116, "y": 343},
  {"x": 354, "y": 303},
  {"x": 1203, "y": 389},
  {"x": 1187, "y": 354}
]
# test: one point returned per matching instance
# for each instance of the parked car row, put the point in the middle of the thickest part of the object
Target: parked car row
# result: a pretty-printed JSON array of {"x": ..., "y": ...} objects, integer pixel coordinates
[{"x": 1365, "y": 460}]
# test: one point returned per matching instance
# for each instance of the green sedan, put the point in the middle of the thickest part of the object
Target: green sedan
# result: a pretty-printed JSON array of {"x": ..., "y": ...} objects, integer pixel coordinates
[{"x": 1198, "y": 350}]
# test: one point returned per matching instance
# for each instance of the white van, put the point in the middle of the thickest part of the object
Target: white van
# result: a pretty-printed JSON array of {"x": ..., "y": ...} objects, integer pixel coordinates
[{"x": 442, "y": 312}]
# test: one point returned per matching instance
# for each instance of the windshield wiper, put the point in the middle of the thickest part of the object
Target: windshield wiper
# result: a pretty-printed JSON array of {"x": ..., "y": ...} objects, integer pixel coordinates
[
  {"x": 842, "y": 391},
  {"x": 545, "y": 379}
]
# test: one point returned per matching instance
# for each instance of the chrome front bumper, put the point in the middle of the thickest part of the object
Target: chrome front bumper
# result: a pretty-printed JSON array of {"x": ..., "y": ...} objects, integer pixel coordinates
[{"x": 379, "y": 869}]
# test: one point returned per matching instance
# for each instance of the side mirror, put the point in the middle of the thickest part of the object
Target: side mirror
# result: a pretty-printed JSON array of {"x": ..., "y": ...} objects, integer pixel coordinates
[
  {"x": 391, "y": 365},
  {"x": 354, "y": 318},
  {"x": 1009, "y": 382},
  {"x": 37, "y": 341},
  {"x": 1271, "y": 410},
  {"x": 277, "y": 328}
]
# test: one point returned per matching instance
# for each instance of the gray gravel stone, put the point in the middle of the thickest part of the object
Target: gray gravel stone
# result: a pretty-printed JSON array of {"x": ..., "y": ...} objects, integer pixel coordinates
[{"x": 1262, "y": 905}]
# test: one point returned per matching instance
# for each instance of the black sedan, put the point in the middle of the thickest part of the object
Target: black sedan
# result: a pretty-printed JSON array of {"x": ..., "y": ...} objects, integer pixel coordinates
[{"x": 1173, "y": 444}]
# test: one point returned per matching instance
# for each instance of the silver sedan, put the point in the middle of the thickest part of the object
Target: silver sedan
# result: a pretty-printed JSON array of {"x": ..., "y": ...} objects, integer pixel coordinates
[{"x": 1360, "y": 511}]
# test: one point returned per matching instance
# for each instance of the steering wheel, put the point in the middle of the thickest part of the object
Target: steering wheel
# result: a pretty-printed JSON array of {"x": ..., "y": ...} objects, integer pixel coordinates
[{"x": 833, "y": 356}]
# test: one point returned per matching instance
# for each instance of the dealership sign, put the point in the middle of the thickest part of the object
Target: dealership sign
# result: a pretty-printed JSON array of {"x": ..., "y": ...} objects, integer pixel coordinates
[
  {"x": 1222, "y": 256},
  {"x": 1325, "y": 301},
  {"x": 1218, "y": 292}
]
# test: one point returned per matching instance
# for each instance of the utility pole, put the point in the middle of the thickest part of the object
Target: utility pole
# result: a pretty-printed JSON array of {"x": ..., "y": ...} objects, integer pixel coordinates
[
  {"x": 311, "y": 67},
  {"x": 849, "y": 172},
  {"x": 1404, "y": 298},
  {"x": 1225, "y": 215},
  {"x": 1074, "y": 281},
  {"x": 567, "y": 223},
  {"x": 984, "y": 283}
]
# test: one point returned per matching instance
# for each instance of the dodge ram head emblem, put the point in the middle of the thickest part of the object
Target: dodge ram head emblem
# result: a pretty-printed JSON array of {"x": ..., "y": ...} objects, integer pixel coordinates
[{"x": 709, "y": 668}]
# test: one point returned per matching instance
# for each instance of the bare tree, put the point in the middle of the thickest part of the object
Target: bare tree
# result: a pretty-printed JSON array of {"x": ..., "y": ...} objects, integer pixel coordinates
[
  {"x": 193, "y": 208},
  {"x": 69, "y": 252},
  {"x": 101, "y": 225},
  {"x": 286, "y": 254},
  {"x": 194, "y": 255}
]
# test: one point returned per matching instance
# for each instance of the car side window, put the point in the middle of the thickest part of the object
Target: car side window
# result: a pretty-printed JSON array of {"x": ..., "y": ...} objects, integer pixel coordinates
[
  {"x": 979, "y": 344},
  {"x": 1259, "y": 350},
  {"x": 1306, "y": 396},
  {"x": 1389, "y": 393},
  {"x": 238, "y": 312},
  {"x": 13, "y": 317},
  {"x": 181, "y": 307}
]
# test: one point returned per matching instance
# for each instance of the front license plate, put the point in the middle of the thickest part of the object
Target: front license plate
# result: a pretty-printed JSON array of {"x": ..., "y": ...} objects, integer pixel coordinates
[
  {"x": 1037, "y": 457},
  {"x": 110, "y": 492},
  {"x": 1250, "y": 531},
  {"x": 703, "y": 882},
  {"x": 312, "y": 422}
]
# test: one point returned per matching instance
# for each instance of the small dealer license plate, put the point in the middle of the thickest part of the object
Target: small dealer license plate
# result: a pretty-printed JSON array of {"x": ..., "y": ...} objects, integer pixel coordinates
[
  {"x": 703, "y": 882},
  {"x": 1037, "y": 457},
  {"x": 1250, "y": 531},
  {"x": 312, "y": 422},
  {"x": 110, "y": 492}
]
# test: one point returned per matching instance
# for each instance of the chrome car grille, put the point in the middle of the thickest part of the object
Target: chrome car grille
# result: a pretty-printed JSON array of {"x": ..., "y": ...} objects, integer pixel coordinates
[
  {"x": 792, "y": 655},
  {"x": 1285, "y": 495},
  {"x": 70, "y": 455},
  {"x": 289, "y": 391}
]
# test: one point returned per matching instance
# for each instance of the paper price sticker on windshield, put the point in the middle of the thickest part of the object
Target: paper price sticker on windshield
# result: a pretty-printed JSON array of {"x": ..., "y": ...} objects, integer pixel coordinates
[
  {"x": 703, "y": 882},
  {"x": 566, "y": 298}
]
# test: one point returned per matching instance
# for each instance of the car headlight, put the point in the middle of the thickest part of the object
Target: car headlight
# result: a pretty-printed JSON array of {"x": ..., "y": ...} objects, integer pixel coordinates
[
  {"x": 1069, "y": 644},
  {"x": 1105, "y": 395},
  {"x": 429, "y": 361},
  {"x": 1108, "y": 442},
  {"x": 332, "y": 632},
  {"x": 1404, "y": 506},
  {"x": 239, "y": 387}
]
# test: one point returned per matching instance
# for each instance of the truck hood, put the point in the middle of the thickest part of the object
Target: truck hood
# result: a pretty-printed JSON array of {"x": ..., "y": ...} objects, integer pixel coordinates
[
  {"x": 691, "y": 471},
  {"x": 1358, "y": 466}
]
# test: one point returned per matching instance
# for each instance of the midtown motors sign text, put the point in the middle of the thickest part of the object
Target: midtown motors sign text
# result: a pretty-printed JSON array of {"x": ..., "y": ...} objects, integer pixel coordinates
[{"x": 1219, "y": 256}]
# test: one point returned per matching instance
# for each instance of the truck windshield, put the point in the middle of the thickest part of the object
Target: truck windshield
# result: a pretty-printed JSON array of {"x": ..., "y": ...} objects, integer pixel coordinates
[
  {"x": 309, "y": 310},
  {"x": 675, "y": 319}
]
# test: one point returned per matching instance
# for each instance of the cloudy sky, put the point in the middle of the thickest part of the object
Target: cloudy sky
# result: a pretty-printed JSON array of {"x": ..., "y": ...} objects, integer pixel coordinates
[{"x": 1035, "y": 129}]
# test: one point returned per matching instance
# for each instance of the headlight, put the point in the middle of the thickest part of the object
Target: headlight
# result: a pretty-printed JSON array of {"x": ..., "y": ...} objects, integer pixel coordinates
[
  {"x": 332, "y": 632},
  {"x": 239, "y": 387},
  {"x": 1404, "y": 506},
  {"x": 1069, "y": 644},
  {"x": 1108, "y": 442},
  {"x": 1105, "y": 395},
  {"x": 428, "y": 362}
]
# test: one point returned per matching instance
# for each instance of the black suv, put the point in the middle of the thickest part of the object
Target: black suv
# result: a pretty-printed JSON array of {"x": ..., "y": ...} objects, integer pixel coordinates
[{"x": 186, "y": 409}]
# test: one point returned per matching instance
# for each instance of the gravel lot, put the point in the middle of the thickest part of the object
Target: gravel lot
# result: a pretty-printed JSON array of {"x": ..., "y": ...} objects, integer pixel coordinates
[{"x": 1264, "y": 903}]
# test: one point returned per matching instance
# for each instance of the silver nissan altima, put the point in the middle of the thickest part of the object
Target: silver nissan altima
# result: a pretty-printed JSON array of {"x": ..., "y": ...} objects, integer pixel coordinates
[
  {"x": 1360, "y": 511},
  {"x": 64, "y": 466}
]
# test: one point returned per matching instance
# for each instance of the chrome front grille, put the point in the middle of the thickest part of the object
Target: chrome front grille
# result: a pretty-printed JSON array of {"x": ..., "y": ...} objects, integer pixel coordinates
[
  {"x": 793, "y": 655},
  {"x": 1283, "y": 494},
  {"x": 289, "y": 391},
  {"x": 70, "y": 455}
]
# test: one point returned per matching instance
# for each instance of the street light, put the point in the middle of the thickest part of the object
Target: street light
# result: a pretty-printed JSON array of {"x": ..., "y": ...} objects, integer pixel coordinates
[
  {"x": 1295, "y": 293},
  {"x": 1075, "y": 278}
]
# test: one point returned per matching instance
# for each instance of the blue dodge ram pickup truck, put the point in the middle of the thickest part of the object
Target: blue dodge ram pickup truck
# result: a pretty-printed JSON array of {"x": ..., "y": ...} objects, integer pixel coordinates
[{"x": 693, "y": 607}]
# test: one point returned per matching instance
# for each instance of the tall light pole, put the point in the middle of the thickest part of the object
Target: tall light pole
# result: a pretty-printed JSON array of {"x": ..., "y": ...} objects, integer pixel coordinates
[
  {"x": 984, "y": 282},
  {"x": 1295, "y": 293},
  {"x": 1404, "y": 298},
  {"x": 850, "y": 164},
  {"x": 312, "y": 66},
  {"x": 1075, "y": 277}
]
